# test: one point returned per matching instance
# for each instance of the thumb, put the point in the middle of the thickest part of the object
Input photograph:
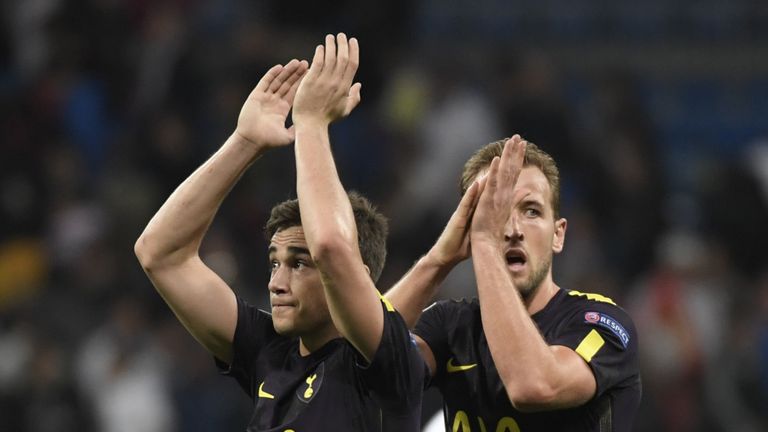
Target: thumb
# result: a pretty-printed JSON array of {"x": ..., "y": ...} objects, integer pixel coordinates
[{"x": 353, "y": 99}]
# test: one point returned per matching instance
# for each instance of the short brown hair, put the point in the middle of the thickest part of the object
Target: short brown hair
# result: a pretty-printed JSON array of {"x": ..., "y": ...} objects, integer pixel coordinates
[
  {"x": 534, "y": 156},
  {"x": 372, "y": 228}
]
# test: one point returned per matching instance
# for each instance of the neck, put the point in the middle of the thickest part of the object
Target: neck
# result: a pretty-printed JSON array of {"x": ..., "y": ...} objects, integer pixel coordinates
[
  {"x": 542, "y": 295},
  {"x": 309, "y": 343}
]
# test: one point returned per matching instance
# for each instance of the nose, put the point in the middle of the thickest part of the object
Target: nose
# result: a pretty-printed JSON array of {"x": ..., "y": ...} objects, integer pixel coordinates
[
  {"x": 279, "y": 281},
  {"x": 512, "y": 231}
]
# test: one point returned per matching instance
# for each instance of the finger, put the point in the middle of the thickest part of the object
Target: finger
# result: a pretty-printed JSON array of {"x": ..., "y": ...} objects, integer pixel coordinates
[
  {"x": 291, "y": 94},
  {"x": 330, "y": 53},
  {"x": 268, "y": 77},
  {"x": 520, "y": 156},
  {"x": 353, "y": 62},
  {"x": 507, "y": 166},
  {"x": 469, "y": 200},
  {"x": 353, "y": 99},
  {"x": 479, "y": 191},
  {"x": 342, "y": 54},
  {"x": 291, "y": 81},
  {"x": 287, "y": 71},
  {"x": 318, "y": 62},
  {"x": 481, "y": 182},
  {"x": 493, "y": 170},
  {"x": 516, "y": 160},
  {"x": 491, "y": 179},
  {"x": 509, "y": 148}
]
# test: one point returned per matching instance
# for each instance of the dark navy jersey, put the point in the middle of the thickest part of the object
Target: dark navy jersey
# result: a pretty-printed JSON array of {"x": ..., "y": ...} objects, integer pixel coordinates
[
  {"x": 474, "y": 396},
  {"x": 331, "y": 389}
]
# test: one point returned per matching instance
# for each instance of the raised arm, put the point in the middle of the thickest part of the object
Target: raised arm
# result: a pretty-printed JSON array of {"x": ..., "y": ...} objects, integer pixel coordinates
[
  {"x": 168, "y": 249},
  {"x": 413, "y": 292},
  {"x": 416, "y": 289},
  {"x": 536, "y": 376},
  {"x": 327, "y": 94}
]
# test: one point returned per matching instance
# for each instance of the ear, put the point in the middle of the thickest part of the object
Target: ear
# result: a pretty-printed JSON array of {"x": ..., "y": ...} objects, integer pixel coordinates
[
  {"x": 558, "y": 240},
  {"x": 367, "y": 269}
]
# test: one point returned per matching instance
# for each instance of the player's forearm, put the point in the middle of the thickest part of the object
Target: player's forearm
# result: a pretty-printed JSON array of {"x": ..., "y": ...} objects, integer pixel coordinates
[
  {"x": 176, "y": 230},
  {"x": 331, "y": 233},
  {"x": 416, "y": 289},
  {"x": 326, "y": 214},
  {"x": 355, "y": 308},
  {"x": 524, "y": 361}
]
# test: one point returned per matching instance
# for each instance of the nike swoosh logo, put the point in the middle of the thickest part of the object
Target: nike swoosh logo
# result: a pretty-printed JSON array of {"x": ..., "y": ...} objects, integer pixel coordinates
[
  {"x": 450, "y": 367},
  {"x": 263, "y": 394}
]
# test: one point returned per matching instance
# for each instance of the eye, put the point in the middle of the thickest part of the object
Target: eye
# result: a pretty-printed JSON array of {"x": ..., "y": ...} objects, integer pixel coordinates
[
  {"x": 299, "y": 264},
  {"x": 532, "y": 212},
  {"x": 273, "y": 265}
]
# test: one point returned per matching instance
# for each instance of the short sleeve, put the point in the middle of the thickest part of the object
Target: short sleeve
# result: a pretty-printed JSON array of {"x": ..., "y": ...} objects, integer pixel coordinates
[
  {"x": 254, "y": 330},
  {"x": 433, "y": 328},
  {"x": 395, "y": 374},
  {"x": 605, "y": 337}
]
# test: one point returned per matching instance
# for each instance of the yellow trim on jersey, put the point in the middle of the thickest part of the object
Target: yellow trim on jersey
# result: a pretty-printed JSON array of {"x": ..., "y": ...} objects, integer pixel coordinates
[
  {"x": 386, "y": 302},
  {"x": 263, "y": 394},
  {"x": 592, "y": 296},
  {"x": 590, "y": 345}
]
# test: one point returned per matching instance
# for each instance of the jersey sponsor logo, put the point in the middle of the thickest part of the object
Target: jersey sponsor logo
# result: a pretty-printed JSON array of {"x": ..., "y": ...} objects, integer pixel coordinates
[
  {"x": 311, "y": 385},
  {"x": 608, "y": 322},
  {"x": 462, "y": 423},
  {"x": 451, "y": 368},
  {"x": 263, "y": 394}
]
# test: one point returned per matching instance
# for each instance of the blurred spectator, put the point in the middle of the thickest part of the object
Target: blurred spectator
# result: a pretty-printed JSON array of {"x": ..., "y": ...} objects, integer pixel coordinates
[
  {"x": 457, "y": 118},
  {"x": 679, "y": 307},
  {"x": 106, "y": 105},
  {"x": 735, "y": 208},
  {"x": 736, "y": 385},
  {"x": 37, "y": 392},
  {"x": 626, "y": 183},
  {"x": 531, "y": 102},
  {"x": 125, "y": 374}
]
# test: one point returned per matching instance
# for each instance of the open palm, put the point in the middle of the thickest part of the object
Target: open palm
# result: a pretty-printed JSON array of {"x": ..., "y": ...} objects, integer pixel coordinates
[
  {"x": 327, "y": 91},
  {"x": 495, "y": 202},
  {"x": 263, "y": 115}
]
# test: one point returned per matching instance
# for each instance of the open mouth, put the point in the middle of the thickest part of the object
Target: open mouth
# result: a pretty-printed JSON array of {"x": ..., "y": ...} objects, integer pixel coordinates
[{"x": 516, "y": 259}]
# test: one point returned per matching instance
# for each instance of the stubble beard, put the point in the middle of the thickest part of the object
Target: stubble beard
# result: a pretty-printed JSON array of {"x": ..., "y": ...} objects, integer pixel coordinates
[{"x": 530, "y": 286}]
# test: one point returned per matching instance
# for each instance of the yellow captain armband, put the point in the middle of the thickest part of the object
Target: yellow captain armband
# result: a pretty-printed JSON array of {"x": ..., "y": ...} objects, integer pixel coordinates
[
  {"x": 386, "y": 302},
  {"x": 590, "y": 345},
  {"x": 592, "y": 296}
]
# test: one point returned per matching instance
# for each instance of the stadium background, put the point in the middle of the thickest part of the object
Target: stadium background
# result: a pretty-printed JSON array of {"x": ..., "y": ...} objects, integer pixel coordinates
[{"x": 655, "y": 110}]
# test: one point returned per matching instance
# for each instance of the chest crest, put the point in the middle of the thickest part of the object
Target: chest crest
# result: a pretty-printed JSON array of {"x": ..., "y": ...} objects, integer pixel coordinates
[{"x": 311, "y": 385}]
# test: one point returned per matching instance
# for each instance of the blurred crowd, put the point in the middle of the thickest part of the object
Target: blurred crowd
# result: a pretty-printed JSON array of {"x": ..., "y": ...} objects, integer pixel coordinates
[{"x": 656, "y": 114}]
